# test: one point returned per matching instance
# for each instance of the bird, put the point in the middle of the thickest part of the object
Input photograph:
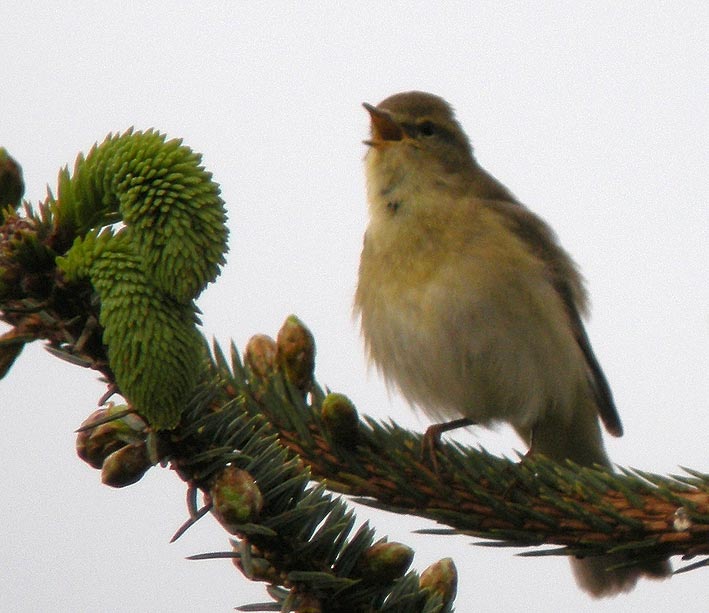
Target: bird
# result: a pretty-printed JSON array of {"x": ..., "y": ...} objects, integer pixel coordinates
[{"x": 469, "y": 305}]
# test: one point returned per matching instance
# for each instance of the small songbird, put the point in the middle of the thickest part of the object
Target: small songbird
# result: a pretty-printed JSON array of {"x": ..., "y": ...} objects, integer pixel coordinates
[{"x": 469, "y": 305}]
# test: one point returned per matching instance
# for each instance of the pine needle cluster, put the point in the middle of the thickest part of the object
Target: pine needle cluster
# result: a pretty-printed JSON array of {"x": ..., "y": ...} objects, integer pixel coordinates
[{"x": 107, "y": 273}]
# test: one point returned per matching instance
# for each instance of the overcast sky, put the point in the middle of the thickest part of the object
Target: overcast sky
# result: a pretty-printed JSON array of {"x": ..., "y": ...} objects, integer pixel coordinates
[{"x": 595, "y": 116}]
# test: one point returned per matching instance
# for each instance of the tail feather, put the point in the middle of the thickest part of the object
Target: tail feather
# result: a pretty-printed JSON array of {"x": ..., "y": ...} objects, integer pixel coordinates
[
  {"x": 593, "y": 577},
  {"x": 581, "y": 441}
]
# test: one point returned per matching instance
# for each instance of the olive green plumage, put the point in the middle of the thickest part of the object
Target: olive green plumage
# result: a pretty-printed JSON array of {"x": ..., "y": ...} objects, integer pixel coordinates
[{"x": 149, "y": 268}]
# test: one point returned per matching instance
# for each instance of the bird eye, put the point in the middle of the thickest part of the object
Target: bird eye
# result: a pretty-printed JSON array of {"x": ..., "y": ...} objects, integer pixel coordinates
[{"x": 427, "y": 128}]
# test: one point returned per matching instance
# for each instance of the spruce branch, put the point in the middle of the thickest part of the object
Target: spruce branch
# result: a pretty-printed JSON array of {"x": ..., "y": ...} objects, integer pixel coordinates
[
  {"x": 252, "y": 435},
  {"x": 54, "y": 284},
  {"x": 528, "y": 503}
]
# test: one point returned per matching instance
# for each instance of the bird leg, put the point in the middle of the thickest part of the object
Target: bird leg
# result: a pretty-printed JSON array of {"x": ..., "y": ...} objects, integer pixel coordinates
[{"x": 431, "y": 442}]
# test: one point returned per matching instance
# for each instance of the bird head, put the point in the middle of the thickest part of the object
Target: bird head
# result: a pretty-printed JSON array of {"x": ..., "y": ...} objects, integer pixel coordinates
[{"x": 420, "y": 130}]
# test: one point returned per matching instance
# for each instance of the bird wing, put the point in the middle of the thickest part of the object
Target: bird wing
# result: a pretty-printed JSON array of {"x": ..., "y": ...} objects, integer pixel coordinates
[
  {"x": 567, "y": 281},
  {"x": 599, "y": 384}
]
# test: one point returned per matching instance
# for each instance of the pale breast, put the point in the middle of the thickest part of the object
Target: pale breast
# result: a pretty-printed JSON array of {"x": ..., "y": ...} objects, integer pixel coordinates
[{"x": 472, "y": 329}]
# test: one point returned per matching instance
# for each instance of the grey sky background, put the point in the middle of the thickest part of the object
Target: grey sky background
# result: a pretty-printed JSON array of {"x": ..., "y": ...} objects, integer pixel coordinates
[{"x": 593, "y": 113}]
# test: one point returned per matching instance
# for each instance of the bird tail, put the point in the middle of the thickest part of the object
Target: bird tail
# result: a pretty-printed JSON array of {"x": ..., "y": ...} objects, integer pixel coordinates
[
  {"x": 580, "y": 440},
  {"x": 593, "y": 574}
]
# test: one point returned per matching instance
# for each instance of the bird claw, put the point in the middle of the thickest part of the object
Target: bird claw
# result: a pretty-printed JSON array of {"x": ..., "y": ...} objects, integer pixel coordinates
[{"x": 431, "y": 442}]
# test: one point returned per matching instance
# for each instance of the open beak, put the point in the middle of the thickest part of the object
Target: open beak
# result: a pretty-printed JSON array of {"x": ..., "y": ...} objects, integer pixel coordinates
[{"x": 384, "y": 128}]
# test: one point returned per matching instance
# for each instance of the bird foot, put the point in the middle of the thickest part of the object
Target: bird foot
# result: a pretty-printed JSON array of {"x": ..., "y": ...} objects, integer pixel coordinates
[{"x": 431, "y": 443}]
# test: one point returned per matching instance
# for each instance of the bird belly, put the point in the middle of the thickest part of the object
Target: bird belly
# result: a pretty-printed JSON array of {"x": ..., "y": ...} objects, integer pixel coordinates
[{"x": 498, "y": 349}]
